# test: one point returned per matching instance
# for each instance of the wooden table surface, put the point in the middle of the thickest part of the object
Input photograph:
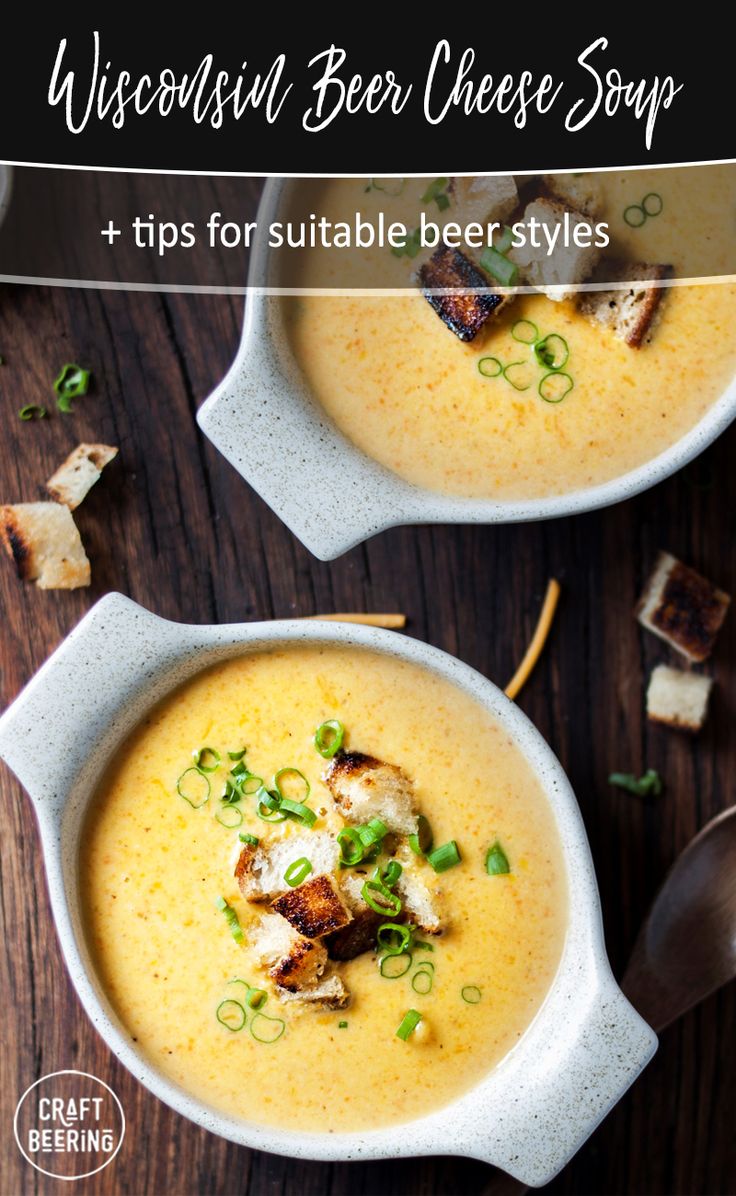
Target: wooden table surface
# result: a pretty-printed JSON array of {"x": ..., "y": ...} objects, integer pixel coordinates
[{"x": 175, "y": 528}]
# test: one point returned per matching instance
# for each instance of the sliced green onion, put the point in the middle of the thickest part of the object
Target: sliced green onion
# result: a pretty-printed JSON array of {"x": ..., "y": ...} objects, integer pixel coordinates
[
  {"x": 268, "y": 806},
  {"x": 652, "y": 203},
  {"x": 389, "y": 875},
  {"x": 505, "y": 241},
  {"x": 372, "y": 833},
  {"x": 423, "y": 840},
  {"x": 443, "y": 201},
  {"x": 497, "y": 863},
  {"x": 250, "y": 784},
  {"x": 297, "y": 872},
  {"x": 552, "y": 351},
  {"x": 298, "y": 811},
  {"x": 410, "y": 245},
  {"x": 521, "y": 378},
  {"x": 434, "y": 189},
  {"x": 390, "y": 902},
  {"x": 229, "y": 816},
  {"x": 198, "y": 787},
  {"x": 490, "y": 367},
  {"x": 237, "y": 756},
  {"x": 328, "y": 738},
  {"x": 395, "y": 965},
  {"x": 246, "y": 837},
  {"x": 555, "y": 387},
  {"x": 279, "y": 782},
  {"x": 254, "y": 997},
  {"x": 525, "y": 332},
  {"x": 420, "y": 945},
  {"x": 634, "y": 215},
  {"x": 231, "y": 1015},
  {"x": 504, "y": 271},
  {"x": 471, "y": 994},
  {"x": 395, "y": 188},
  {"x": 422, "y": 981},
  {"x": 393, "y": 938},
  {"x": 649, "y": 783},
  {"x": 32, "y": 411},
  {"x": 444, "y": 857},
  {"x": 72, "y": 382},
  {"x": 264, "y": 1033},
  {"x": 342, "y": 1025},
  {"x": 351, "y": 847},
  {"x": 409, "y": 1023},
  {"x": 231, "y": 918},
  {"x": 206, "y": 759},
  {"x": 230, "y": 793}
]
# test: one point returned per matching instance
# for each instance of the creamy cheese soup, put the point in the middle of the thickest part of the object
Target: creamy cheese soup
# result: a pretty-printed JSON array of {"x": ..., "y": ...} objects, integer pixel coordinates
[
  {"x": 153, "y": 868},
  {"x": 407, "y": 392}
]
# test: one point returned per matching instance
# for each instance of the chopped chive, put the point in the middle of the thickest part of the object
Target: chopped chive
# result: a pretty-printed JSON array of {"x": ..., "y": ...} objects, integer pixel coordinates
[
  {"x": 328, "y": 738},
  {"x": 652, "y": 203},
  {"x": 264, "y": 1034},
  {"x": 351, "y": 847},
  {"x": 395, "y": 965},
  {"x": 342, "y": 1025},
  {"x": 231, "y": 918},
  {"x": 229, "y": 816},
  {"x": 422, "y": 981},
  {"x": 552, "y": 351},
  {"x": 471, "y": 994},
  {"x": 372, "y": 833},
  {"x": 390, "y": 903},
  {"x": 525, "y": 332},
  {"x": 634, "y": 215},
  {"x": 246, "y": 837},
  {"x": 389, "y": 875},
  {"x": 409, "y": 1023},
  {"x": 237, "y": 756},
  {"x": 444, "y": 857},
  {"x": 521, "y": 378},
  {"x": 297, "y": 872},
  {"x": 490, "y": 367},
  {"x": 32, "y": 411},
  {"x": 197, "y": 787},
  {"x": 649, "y": 784},
  {"x": 504, "y": 271},
  {"x": 423, "y": 840},
  {"x": 231, "y": 1015},
  {"x": 206, "y": 759},
  {"x": 497, "y": 863},
  {"x": 393, "y": 938},
  {"x": 555, "y": 387},
  {"x": 72, "y": 382}
]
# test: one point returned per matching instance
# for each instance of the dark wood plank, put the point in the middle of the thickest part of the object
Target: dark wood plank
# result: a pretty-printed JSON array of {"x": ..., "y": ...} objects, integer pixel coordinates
[{"x": 174, "y": 527}]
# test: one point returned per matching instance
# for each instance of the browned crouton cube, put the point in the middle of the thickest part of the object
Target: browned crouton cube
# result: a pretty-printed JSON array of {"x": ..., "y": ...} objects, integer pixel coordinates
[
  {"x": 329, "y": 993},
  {"x": 44, "y": 542},
  {"x": 678, "y": 699},
  {"x": 357, "y": 937},
  {"x": 314, "y": 908},
  {"x": 631, "y": 313},
  {"x": 465, "y": 310},
  {"x": 364, "y": 787},
  {"x": 682, "y": 608},
  {"x": 294, "y": 962}
]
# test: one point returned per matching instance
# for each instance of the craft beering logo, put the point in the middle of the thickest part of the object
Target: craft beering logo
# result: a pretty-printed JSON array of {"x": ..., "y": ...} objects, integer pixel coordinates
[{"x": 69, "y": 1125}]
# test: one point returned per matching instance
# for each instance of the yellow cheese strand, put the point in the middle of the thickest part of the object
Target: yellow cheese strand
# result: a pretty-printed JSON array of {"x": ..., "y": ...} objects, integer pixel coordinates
[
  {"x": 534, "y": 651},
  {"x": 393, "y": 622}
]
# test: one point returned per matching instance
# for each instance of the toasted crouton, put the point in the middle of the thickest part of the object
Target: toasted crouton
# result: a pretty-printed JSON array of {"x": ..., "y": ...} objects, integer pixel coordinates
[
  {"x": 483, "y": 198},
  {"x": 631, "y": 313},
  {"x": 359, "y": 935},
  {"x": 329, "y": 993},
  {"x": 76, "y": 476},
  {"x": 418, "y": 903},
  {"x": 44, "y": 541},
  {"x": 364, "y": 787},
  {"x": 293, "y": 961},
  {"x": 682, "y": 608},
  {"x": 678, "y": 699},
  {"x": 557, "y": 272},
  {"x": 260, "y": 870},
  {"x": 466, "y": 310},
  {"x": 314, "y": 908},
  {"x": 583, "y": 192}
]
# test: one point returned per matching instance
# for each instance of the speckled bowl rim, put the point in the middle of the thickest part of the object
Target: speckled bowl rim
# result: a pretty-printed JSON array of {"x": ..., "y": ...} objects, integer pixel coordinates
[
  {"x": 586, "y": 1044},
  {"x": 331, "y": 495}
]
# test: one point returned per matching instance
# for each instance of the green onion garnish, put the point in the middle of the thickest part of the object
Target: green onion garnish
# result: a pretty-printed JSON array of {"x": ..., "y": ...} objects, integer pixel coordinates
[
  {"x": 471, "y": 994},
  {"x": 635, "y": 215},
  {"x": 505, "y": 241},
  {"x": 72, "y": 382},
  {"x": 196, "y": 790},
  {"x": 490, "y": 367},
  {"x": 552, "y": 351},
  {"x": 342, "y": 1025},
  {"x": 236, "y": 755},
  {"x": 423, "y": 840},
  {"x": 206, "y": 759},
  {"x": 229, "y": 816},
  {"x": 444, "y": 857},
  {"x": 437, "y": 191},
  {"x": 422, "y": 981},
  {"x": 328, "y": 738},
  {"x": 409, "y": 1023},
  {"x": 298, "y": 811},
  {"x": 297, "y": 872},
  {"x": 351, "y": 847},
  {"x": 393, "y": 938},
  {"x": 254, "y": 997},
  {"x": 389, "y": 875},
  {"x": 410, "y": 245},
  {"x": 555, "y": 387},
  {"x": 231, "y": 1015},
  {"x": 265, "y": 1034},
  {"x": 420, "y": 945},
  {"x": 249, "y": 784},
  {"x": 390, "y": 903},
  {"x": 521, "y": 377},
  {"x": 393, "y": 966},
  {"x": 279, "y": 782},
  {"x": 246, "y": 837},
  {"x": 649, "y": 784},
  {"x": 372, "y": 833},
  {"x": 504, "y": 271},
  {"x": 395, "y": 187},
  {"x": 32, "y": 411},
  {"x": 652, "y": 203},
  {"x": 525, "y": 332},
  {"x": 268, "y": 807},
  {"x": 497, "y": 863},
  {"x": 231, "y": 918}
]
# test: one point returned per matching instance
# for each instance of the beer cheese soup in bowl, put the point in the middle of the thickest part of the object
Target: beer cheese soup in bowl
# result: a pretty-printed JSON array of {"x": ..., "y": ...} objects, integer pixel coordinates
[
  {"x": 395, "y": 399},
  {"x": 324, "y": 890}
]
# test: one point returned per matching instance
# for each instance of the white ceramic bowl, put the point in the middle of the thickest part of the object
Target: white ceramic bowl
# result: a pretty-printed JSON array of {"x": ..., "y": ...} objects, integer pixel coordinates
[
  {"x": 265, "y": 421},
  {"x": 534, "y": 1110}
]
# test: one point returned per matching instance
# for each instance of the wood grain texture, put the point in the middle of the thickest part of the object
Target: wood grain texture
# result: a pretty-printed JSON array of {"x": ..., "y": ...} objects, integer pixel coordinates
[{"x": 174, "y": 527}]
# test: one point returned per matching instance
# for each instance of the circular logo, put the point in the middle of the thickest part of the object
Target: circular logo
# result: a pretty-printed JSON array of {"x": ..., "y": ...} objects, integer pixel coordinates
[{"x": 69, "y": 1125}]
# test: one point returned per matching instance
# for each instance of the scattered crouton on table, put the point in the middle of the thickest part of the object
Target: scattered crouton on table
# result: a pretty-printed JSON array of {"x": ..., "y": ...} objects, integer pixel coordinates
[
  {"x": 683, "y": 608},
  {"x": 43, "y": 540},
  {"x": 677, "y": 698}
]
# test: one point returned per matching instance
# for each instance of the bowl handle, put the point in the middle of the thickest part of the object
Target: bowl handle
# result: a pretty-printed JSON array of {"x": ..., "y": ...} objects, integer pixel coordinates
[{"x": 79, "y": 695}]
